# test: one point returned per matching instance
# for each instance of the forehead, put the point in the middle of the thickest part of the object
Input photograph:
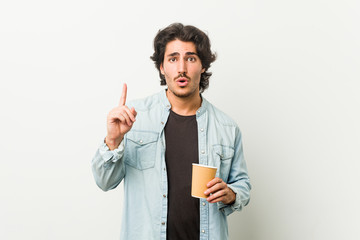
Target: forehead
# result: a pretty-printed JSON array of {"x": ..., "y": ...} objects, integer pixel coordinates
[{"x": 177, "y": 46}]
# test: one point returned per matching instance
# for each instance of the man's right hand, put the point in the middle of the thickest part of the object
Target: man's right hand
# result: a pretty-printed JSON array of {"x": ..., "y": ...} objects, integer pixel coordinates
[{"x": 119, "y": 121}]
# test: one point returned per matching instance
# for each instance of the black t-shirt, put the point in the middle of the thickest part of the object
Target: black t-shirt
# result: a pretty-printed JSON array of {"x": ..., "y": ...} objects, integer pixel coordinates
[{"x": 181, "y": 135}]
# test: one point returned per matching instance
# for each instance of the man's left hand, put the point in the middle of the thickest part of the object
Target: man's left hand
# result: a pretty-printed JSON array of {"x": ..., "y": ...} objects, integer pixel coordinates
[{"x": 220, "y": 192}]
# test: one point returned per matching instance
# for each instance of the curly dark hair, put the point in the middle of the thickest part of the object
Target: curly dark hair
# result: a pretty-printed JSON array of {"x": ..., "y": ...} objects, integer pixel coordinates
[{"x": 185, "y": 33}]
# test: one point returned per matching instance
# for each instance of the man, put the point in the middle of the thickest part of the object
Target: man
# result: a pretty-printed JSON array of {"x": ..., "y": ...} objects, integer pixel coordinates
[{"x": 152, "y": 143}]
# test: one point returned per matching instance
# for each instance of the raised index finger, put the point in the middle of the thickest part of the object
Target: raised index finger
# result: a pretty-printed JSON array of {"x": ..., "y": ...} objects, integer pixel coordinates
[{"x": 123, "y": 95}]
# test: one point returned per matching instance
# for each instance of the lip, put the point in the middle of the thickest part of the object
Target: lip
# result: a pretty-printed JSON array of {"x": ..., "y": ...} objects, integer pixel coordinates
[{"x": 182, "y": 82}]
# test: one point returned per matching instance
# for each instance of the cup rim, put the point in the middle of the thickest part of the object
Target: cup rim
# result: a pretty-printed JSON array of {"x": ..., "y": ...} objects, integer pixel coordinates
[{"x": 202, "y": 165}]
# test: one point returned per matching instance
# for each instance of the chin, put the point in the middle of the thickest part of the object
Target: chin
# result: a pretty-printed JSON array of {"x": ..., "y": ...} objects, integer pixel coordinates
[{"x": 184, "y": 94}]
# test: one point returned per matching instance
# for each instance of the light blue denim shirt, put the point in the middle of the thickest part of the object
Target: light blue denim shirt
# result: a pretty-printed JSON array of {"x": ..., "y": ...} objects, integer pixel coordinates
[{"x": 140, "y": 162}]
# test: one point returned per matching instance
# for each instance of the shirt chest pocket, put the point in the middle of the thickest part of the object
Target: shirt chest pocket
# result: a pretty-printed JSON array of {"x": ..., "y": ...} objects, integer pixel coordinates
[
  {"x": 140, "y": 149},
  {"x": 222, "y": 158}
]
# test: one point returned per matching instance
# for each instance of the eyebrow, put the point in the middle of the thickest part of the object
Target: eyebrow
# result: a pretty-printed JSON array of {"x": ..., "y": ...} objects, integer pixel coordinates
[{"x": 177, "y": 54}]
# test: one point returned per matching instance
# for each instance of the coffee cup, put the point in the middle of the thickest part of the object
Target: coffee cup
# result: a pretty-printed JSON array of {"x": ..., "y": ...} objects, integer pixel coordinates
[{"x": 201, "y": 175}]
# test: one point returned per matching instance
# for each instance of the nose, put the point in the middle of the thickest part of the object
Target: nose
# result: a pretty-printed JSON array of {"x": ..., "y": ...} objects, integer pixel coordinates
[{"x": 182, "y": 68}]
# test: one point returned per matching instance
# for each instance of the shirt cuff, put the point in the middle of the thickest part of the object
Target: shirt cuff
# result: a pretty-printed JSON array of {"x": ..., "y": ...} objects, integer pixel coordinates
[
  {"x": 236, "y": 206},
  {"x": 113, "y": 155}
]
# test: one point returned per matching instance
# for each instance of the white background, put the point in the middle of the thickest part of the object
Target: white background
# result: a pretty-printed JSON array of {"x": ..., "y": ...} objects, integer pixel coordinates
[{"x": 287, "y": 72}]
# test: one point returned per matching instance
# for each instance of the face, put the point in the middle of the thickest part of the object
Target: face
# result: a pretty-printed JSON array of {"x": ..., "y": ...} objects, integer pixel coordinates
[{"x": 182, "y": 69}]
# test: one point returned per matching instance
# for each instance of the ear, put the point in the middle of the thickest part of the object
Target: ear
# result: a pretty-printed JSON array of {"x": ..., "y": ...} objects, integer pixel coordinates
[{"x": 203, "y": 70}]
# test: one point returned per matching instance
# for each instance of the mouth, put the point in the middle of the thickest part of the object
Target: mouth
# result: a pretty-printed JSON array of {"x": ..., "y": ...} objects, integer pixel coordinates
[{"x": 182, "y": 82}]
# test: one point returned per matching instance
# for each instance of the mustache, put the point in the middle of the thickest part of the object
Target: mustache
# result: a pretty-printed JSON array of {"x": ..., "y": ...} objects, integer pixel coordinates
[{"x": 183, "y": 75}]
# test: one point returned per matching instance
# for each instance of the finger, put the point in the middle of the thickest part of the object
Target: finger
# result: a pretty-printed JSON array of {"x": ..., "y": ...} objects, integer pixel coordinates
[
  {"x": 133, "y": 111},
  {"x": 215, "y": 188},
  {"x": 121, "y": 114},
  {"x": 127, "y": 118},
  {"x": 123, "y": 95},
  {"x": 216, "y": 197},
  {"x": 220, "y": 199},
  {"x": 117, "y": 117},
  {"x": 130, "y": 114},
  {"x": 213, "y": 182}
]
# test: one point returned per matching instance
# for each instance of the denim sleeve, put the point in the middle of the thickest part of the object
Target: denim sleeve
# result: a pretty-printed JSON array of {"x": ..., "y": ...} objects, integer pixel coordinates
[
  {"x": 108, "y": 167},
  {"x": 238, "y": 179}
]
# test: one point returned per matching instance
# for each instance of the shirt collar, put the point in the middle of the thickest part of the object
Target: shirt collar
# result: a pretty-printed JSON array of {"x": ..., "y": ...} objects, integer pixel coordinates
[{"x": 166, "y": 104}]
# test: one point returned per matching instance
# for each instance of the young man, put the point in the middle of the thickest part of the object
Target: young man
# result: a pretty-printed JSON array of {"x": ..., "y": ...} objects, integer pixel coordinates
[{"x": 152, "y": 143}]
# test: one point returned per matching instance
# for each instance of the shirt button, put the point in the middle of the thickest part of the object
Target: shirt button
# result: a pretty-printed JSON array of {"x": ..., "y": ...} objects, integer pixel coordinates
[
  {"x": 203, "y": 231},
  {"x": 202, "y": 151},
  {"x": 162, "y": 123},
  {"x": 164, "y": 196},
  {"x": 141, "y": 141},
  {"x": 163, "y": 223},
  {"x": 203, "y": 203},
  {"x": 202, "y": 130}
]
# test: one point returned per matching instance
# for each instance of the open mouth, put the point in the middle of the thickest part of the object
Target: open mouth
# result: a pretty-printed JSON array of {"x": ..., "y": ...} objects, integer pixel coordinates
[{"x": 182, "y": 82}]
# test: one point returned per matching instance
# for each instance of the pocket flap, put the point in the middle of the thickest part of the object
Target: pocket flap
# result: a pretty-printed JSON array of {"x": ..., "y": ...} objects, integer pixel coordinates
[
  {"x": 142, "y": 138},
  {"x": 224, "y": 152}
]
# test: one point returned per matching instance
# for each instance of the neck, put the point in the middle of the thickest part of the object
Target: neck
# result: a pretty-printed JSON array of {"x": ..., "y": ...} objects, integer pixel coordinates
[{"x": 184, "y": 106}]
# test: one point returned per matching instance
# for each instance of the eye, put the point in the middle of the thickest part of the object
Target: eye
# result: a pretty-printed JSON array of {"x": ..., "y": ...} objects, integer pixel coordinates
[
  {"x": 191, "y": 59},
  {"x": 172, "y": 59}
]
